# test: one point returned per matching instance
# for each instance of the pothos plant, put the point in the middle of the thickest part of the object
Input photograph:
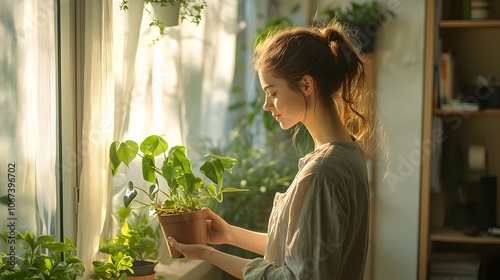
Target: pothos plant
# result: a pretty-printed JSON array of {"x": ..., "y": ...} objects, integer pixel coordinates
[
  {"x": 186, "y": 191},
  {"x": 189, "y": 9}
]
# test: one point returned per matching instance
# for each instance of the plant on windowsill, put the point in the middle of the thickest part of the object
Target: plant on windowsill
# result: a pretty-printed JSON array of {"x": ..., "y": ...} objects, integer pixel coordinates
[
  {"x": 364, "y": 18},
  {"x": 115, "y": 268},
  {"x": 43, "y": 258},
  {"x": 168, "y": 12},
  {"x": 137, "y": 238},
  {"x": 182, "y": 202}
]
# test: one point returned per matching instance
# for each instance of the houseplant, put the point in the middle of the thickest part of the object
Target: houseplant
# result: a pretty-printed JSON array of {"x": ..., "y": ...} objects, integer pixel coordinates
[
  {"x": 364, "y": 18},
  {"x": 180, "y": 205},
  {"x": 137, "y": 238},
  {"x": 43, "y": 258},
  {"x": 115, "y": 268},
  {"x": 185, "y": 9}
]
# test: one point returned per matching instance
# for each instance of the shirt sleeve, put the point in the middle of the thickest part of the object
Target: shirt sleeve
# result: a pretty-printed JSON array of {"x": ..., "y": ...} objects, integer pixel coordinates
[{"x": 315, "y": 235}]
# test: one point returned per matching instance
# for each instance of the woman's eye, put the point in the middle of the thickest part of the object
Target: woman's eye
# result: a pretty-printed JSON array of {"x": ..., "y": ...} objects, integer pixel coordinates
[{"x": 272, "y": 94}]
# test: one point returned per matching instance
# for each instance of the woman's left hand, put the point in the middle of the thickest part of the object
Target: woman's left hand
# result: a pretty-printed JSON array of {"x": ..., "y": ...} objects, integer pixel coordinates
[{"x": 190, "y": 251}]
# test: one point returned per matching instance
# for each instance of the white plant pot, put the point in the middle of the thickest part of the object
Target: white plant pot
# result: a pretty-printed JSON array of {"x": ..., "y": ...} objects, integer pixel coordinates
[{"x": 169, "y": 14}]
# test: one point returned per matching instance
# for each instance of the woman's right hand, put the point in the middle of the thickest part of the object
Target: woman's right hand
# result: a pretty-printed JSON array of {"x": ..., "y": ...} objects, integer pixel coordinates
[{"x": 218, "y": 230}]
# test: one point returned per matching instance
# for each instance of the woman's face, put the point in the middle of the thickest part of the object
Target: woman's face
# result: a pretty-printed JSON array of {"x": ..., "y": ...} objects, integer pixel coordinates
[{"x": 288, "y": 107}]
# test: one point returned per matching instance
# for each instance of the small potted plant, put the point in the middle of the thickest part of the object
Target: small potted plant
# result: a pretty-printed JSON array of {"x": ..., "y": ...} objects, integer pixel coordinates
[
  {"x": 179, "y": 206},
  {"x": 364, "y": 18},
  {"x": 168, "y": 12},
  {"x": 43, "y": 258},
  {"x": 138, "y": 239},
  {"x": 115, "y": 268}
]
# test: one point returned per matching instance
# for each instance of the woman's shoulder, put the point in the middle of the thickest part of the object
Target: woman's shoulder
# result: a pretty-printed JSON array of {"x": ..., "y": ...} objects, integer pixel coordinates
[{"x": 335, "y": 161}]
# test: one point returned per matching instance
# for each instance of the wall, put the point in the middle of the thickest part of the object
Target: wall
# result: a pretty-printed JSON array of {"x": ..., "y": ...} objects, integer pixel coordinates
[{"x": 399, "y": 83}]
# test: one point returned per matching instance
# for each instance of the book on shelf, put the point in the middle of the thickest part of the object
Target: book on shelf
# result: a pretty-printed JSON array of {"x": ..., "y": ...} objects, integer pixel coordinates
[
  {"x": 445, "y": 78},
  {"x": 454, "y": 265},
  {"x": 437, "y": 71},
  {"x": 457, "y": 105}
]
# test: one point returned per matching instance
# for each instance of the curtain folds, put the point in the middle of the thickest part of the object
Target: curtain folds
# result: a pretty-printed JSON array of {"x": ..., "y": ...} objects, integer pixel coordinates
[
  {"x": 28, "y": 108},
  {"x": 97, "y": 127}
]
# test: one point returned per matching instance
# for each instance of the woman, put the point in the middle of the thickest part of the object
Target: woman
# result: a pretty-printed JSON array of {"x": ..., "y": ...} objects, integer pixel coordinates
[{"x": 318, "y": 229}]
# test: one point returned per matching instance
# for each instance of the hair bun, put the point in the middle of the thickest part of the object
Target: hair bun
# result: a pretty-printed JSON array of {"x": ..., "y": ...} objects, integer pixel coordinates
[{"x": 333, "y": 35}]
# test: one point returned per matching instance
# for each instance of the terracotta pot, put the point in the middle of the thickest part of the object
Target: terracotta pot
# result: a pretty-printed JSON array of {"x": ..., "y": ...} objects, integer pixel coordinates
[
  {"x": 189, "y": 228},
  {"x": 147, "y": 277}
]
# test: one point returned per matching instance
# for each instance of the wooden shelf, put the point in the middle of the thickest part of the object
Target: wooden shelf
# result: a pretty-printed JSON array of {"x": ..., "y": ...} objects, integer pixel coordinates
[
  {"x": 468, "y": 23},
  {"x": 484, "y": 112},
  {"x": 474, "y": 45},
  {"x": 449, "y": 235}
]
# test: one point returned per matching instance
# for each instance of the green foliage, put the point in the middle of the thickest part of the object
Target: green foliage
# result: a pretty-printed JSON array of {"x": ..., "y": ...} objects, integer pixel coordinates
[
  {"x": 43, "y": 258},
  {"x": 189, "y": 9},
  {"x": 115, "y": 268},
  {"x": 276, "y": 23},
  {"x": 359, "y": 14},
  {"x": 136, "y": 241},
  {"x": 137, "y": 237},
  {"x": 186, "y": 191}
]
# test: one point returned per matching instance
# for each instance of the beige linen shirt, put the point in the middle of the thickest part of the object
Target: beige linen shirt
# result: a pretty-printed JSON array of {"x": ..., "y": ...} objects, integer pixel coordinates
[{"x": 318, "y": 228}]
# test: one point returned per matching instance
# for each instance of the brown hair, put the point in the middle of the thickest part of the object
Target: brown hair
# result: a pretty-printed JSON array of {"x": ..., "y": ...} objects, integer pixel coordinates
[{"x": 333, "y": 60}]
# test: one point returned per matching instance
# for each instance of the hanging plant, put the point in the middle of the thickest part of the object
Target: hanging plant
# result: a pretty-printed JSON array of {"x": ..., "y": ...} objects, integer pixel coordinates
[{"x": 186, "y": 9}]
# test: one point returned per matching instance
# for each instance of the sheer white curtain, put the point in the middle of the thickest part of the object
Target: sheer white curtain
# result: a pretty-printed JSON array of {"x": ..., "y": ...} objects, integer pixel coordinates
[
  {"x": 182, "y": 83},
  {"x": 28, "y": 109},
  {"x": 97, "y": 127},
  {"x": 179, "y": 87}
]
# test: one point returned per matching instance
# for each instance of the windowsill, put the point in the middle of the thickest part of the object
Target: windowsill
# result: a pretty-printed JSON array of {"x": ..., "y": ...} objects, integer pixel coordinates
[{"x": 189, "y": 270}]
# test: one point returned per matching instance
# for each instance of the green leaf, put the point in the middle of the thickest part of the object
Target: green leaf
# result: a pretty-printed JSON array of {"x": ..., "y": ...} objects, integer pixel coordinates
[
  {"x": 154, "y": 145},
  {"x": 213, "y": 170},
  {"x": 127, "y": 151},
  {"x": 148, "y": 169},
  {"x": 180, "y": 159},
  {"x": 29, "y": 237},
  {"x": 167, "y": 170},
  {"x": 192, "y": 182},
  {"x": 227, "y": 162},
  {"x": 212, "y": 190},
  {"x": 56, "y": 246},
  {"x": 153, "y": 191},
  {"x": 114, "y": 161},
  {"x": 168, "y": 203},
  {"x": 124, "y": 212},
  {"x": 130, "y": 194}
]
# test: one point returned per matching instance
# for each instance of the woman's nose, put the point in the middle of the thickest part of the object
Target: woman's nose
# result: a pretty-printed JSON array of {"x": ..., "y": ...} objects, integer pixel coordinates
[{"x": 267, "y": 105}]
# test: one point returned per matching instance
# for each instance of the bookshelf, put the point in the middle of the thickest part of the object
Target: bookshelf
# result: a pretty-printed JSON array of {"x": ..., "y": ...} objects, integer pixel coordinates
[{"x": 475, "y": 48}]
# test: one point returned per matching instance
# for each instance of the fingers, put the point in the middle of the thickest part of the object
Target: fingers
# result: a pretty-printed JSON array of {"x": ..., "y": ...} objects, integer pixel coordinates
[
  {"x": 173, "y": 243},
  {"x": 211, "y": 214}
]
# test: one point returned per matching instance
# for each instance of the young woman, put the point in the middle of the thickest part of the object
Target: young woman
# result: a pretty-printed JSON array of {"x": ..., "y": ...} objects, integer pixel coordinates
[{"x": 318, "y": 228}]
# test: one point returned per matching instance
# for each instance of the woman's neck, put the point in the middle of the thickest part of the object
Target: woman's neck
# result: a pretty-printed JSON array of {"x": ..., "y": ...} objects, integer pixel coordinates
[{"x": 326, "y": 127}]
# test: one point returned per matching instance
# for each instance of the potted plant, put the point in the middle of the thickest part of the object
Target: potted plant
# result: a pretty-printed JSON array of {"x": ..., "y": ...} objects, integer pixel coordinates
[
  {"x": 137, "y": 239},
  {"x": 115, "y": 268},
  {"x": 179, "y": 206},
  {"x": 168, "y": 12},
  {"x": 364, "y": 18},
  {"x": 43, "y": 258}
]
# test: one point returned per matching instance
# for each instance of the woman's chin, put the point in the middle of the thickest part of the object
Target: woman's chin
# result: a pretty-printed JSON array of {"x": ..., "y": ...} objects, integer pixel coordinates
[{"x": 284, "y": 126}]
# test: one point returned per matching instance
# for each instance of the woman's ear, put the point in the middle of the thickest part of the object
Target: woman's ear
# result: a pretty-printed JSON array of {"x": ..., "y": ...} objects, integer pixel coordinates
[{"x": 307, "y": 84}]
